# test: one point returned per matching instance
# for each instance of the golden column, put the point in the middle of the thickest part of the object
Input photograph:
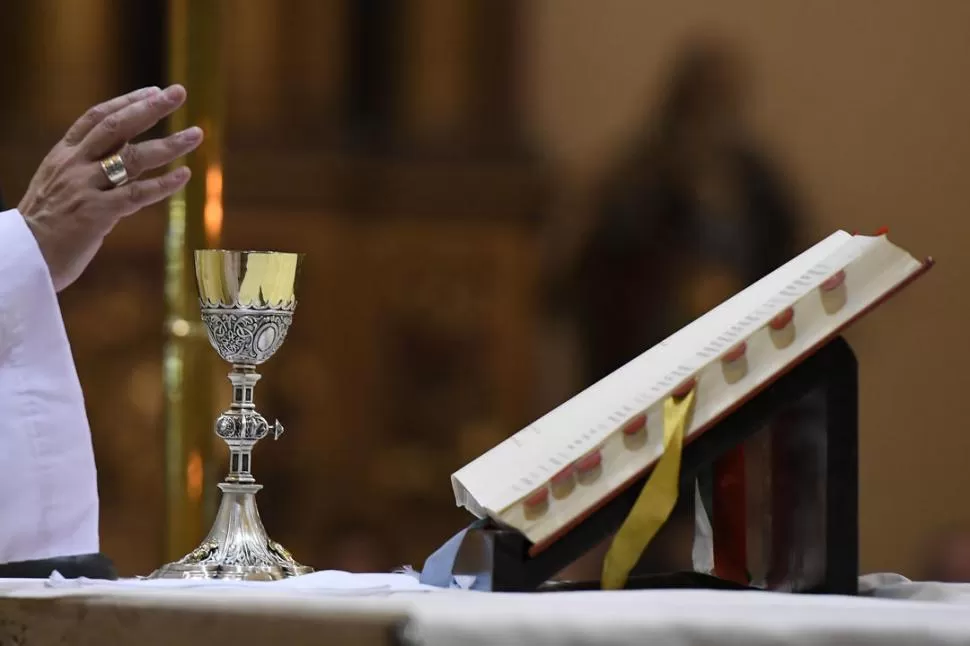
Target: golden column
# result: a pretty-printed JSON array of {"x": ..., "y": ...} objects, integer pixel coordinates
[{"x": 194, "y": 222}]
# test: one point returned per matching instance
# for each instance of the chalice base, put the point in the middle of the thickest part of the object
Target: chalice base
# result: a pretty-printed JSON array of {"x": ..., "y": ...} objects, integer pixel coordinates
[{"x": 237, "y": 547}]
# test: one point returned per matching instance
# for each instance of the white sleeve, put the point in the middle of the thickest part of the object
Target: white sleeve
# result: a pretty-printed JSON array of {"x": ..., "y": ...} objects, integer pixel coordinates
[{"x": 48, "y": 482}]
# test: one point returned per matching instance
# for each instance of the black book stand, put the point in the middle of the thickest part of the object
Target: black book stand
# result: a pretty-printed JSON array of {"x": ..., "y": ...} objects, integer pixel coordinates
[{"x": 504, "y": 560}]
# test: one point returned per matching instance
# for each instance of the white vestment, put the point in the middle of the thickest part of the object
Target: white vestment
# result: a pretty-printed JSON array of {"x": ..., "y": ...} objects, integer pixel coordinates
[{"x": 48, "y": 482}]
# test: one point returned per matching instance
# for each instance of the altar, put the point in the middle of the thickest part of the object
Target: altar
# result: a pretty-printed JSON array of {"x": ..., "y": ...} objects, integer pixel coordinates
[{"x": 340, "y": 608}]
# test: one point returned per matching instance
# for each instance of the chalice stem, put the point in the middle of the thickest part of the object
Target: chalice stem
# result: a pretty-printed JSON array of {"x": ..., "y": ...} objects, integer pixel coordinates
[
  {"x": 241, "y": 426},
  {"x": 237, "y": 546}
]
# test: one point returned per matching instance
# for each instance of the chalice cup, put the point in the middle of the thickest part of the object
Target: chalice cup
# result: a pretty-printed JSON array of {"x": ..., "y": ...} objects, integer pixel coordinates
[{"x": 247, "y": 300}]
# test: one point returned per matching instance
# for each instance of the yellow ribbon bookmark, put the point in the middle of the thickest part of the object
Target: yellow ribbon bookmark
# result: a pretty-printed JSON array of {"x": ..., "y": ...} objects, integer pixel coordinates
[{"x": 656, "y": 501}]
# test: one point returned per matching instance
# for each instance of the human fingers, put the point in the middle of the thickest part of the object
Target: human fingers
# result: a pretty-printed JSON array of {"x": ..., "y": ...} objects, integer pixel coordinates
[
  {"x": 94, "y": 116},
  {"x": 149, "y": 155},
  {"x": 116, "y": 129},
  {"x": 134, "y": 196}
]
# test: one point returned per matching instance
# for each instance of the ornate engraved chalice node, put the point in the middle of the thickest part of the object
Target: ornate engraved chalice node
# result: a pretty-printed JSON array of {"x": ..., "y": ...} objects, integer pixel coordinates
[{"x": 247, "y": 300}]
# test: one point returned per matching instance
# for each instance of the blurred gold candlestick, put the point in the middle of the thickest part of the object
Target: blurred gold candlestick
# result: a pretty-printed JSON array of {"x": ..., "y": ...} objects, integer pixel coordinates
[{"x": 194, "y": 222}]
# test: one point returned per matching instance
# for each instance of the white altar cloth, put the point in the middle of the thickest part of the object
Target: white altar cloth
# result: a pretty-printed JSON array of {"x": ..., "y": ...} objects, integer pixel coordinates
[{"x": 388, "y": 609}]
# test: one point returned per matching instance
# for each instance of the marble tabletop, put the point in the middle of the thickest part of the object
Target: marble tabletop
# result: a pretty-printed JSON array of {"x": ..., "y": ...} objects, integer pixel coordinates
[{"x": 343, "y": 608}]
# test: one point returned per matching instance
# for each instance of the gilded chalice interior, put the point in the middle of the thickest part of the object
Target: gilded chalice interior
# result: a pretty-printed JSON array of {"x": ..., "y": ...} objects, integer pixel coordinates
[{"x": 247, "y": 300}]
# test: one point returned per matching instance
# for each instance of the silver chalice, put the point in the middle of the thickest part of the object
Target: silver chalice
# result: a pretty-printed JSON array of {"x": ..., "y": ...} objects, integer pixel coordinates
[{"x": 247, "y": 299}]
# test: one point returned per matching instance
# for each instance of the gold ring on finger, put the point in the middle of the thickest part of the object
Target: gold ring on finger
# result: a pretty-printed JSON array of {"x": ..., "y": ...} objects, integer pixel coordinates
[{"x": 114, "y": 169}]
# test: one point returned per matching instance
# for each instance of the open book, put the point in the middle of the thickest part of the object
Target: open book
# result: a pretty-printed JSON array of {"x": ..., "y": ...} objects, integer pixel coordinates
[{"x": 551, "y": 474}]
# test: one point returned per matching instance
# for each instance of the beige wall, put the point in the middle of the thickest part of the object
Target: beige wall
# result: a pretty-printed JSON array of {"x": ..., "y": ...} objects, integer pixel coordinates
[{"x": 868, "y": 103}]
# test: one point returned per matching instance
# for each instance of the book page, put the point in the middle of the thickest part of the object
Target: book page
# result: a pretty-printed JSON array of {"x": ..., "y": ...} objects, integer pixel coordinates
[
  {"x": 519, "y": 464},
  {"x": 873, "y": 268}
]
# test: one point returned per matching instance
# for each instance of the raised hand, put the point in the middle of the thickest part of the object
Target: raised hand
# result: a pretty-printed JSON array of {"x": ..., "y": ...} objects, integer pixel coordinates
[{"x": 92, "y": 177}]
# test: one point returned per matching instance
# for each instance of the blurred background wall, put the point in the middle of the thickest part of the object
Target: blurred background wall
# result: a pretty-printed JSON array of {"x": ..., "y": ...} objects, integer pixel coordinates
[{"x": 440, "y": 163}]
